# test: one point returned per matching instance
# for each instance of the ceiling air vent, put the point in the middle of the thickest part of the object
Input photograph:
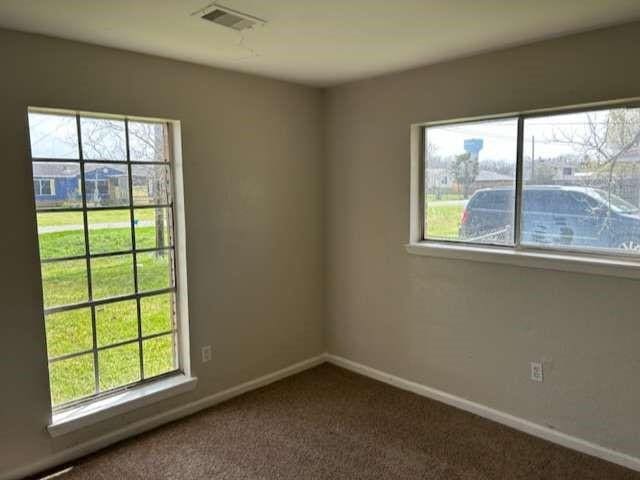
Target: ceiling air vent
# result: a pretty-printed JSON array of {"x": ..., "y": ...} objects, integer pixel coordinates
[{"x": 230, "y": 18}]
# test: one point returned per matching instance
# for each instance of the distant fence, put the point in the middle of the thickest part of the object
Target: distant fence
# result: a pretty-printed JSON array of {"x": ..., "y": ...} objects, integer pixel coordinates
[{"x": 627, "y": 189}]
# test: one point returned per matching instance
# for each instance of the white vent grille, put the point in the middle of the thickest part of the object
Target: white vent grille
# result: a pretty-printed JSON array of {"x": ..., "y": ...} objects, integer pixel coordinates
[{"x": 230, "y": 18}]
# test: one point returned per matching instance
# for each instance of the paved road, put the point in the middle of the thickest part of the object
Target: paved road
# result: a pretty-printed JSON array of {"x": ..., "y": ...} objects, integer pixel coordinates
[{"x": 95, "y": 226}]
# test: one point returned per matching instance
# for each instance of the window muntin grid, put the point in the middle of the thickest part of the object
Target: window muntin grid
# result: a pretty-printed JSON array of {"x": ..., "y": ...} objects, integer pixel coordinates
[{"x": 118, "y": 194}]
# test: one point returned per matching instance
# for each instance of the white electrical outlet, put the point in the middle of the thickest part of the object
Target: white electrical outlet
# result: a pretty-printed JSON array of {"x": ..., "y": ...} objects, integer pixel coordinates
[
  {"x": 537, "y": 372},
  {"x": 206, "y": 354}
]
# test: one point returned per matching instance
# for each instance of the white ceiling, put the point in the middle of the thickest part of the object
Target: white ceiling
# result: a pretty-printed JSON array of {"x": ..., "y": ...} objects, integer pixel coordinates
[{"x": 317, "y": 42}]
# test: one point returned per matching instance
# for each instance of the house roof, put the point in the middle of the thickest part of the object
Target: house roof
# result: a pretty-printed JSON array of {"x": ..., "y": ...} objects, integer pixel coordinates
[
  {"x": 489, "y": 176},
  {"x": 70, "y": 170},
  {"x": 52, "y": 170}
]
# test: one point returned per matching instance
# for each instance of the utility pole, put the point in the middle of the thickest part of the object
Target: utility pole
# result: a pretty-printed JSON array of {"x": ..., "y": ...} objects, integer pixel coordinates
[
  {"x": 159, "y": 183},
  {"x": 533, "y": 158}
]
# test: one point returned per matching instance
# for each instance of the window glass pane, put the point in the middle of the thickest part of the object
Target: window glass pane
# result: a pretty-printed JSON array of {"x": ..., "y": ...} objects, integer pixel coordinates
[
  {"x": 116, "y": 322},
  {"x": 112, "y": 276},
  {"x": 71, "y": 379},
  {"x": 157, "y": 314},
  {"x": 581, "y": 176},
  {"x": 158, "y": 355},
  {"x": 60, "y": 234},
  {"x": 106, "y": 184},
  {"x": 155, "y": 270},
  {"x": 57, "y": 185},
  {"x": 68, "y": 332},
  {"x": 103, "y": 139},
  {"x": 153, "y": 227},
  {"x": 109, "y": 231},
  {"x": 148, "y": 142},
  {"x": 470, "y": 172},
  {"x": 46, "y": 186},
  {"x": 119, "y": 366},
  {"x": 64, "y": 283},
  {"x": 151, "y": 184},
  {"x": 53, "y": 136}
]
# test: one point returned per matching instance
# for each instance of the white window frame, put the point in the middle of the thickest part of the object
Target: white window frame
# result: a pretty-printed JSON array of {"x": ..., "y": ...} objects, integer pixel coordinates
[
  {"x": 593, "y": 262},
  {"x": 99, "y": 408},
  {"x": 52, "y": 187}
]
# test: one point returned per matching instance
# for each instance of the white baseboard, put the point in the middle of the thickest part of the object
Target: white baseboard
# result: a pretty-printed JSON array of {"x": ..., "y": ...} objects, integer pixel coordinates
[
  {"x": 141, "y": 426},
  {"x": 82, "y": 449},
  {"x": 514, "y": 422}
]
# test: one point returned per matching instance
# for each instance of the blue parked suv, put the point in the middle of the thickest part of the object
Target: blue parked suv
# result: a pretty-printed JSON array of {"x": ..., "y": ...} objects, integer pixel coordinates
[{"x": 556, "y": 215}]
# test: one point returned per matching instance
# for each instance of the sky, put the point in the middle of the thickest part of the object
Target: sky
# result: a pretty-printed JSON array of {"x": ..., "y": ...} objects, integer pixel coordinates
[
  {"x": 56, "y": 136},
  {"x": 500, "y": 136},
  {"x": 53, "y": 136}
]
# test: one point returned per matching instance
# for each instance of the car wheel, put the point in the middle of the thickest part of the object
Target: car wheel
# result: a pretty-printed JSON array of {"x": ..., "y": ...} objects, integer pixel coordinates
[{"x": 630, "y": 245}]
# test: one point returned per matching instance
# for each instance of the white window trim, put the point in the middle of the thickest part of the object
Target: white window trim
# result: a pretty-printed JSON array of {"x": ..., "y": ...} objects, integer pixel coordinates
[
  {"x": 593, "y": 264},
  {"x": 97, "y": 410},
  {"x": 101, "y": 408},
  {"x": 90, "y": 413},
  {"x": 541, "y": 260},
  {"x": 52, "y": 187}
]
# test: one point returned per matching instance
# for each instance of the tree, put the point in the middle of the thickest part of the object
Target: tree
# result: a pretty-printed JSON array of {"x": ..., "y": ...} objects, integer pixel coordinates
[
  {"x": 465, "y": 169},
  {"x": 102, "y": 138},
  {"x": 606, "y": 137},
  {"x": 434, "y": 166},
  {"x": 543, "y": 173}
]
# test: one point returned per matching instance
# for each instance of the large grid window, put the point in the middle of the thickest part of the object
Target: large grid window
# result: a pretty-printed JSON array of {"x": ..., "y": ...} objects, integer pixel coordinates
[
  {"x": 566, "y": 180},
  {"x": 103, "y": 196}
]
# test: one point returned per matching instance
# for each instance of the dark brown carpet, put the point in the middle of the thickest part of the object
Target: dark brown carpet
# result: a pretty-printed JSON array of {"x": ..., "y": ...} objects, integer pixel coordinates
[{"x": 327, "y": 423}]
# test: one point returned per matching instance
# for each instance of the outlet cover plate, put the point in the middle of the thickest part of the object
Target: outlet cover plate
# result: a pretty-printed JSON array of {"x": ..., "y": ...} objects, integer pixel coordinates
[{"x": 537, "y": 372}]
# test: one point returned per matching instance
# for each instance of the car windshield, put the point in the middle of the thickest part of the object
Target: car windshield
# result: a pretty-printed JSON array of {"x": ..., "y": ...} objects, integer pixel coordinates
[{"x": 614, "y": 202}]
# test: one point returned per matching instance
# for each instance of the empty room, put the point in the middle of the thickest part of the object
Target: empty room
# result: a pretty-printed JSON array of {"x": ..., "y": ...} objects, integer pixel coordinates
[{"x": 356, "y": 239}]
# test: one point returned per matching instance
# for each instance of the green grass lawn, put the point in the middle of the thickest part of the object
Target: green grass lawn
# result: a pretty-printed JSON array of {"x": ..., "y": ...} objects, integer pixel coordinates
[
  {"x": 70, "y": 243},
  {"x": 71, "y": 331},
  {"x": 444, "y": 197},
  {"x": 443, "y": 221},
  {"x": 100, "y": 216}
]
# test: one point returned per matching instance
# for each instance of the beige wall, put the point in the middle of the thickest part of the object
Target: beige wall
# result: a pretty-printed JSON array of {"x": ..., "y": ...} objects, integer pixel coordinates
[
  {"x": 297, "y": 214},
  {"x": 471, "y": 328},
  {"x": 252, "y": 152}
]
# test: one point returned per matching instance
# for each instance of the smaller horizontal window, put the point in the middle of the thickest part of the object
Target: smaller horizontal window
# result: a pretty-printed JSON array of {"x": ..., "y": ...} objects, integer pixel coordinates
[{"x": 566, "y": 181}]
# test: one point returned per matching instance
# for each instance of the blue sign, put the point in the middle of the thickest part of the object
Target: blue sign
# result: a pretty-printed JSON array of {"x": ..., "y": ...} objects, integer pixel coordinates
[{"x": 473, "y": 145}]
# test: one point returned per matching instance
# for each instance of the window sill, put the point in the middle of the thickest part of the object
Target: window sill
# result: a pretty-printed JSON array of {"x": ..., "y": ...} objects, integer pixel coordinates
[
  {"x": 117, "y": 404},
  {"x": 565, "y": 262}
]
